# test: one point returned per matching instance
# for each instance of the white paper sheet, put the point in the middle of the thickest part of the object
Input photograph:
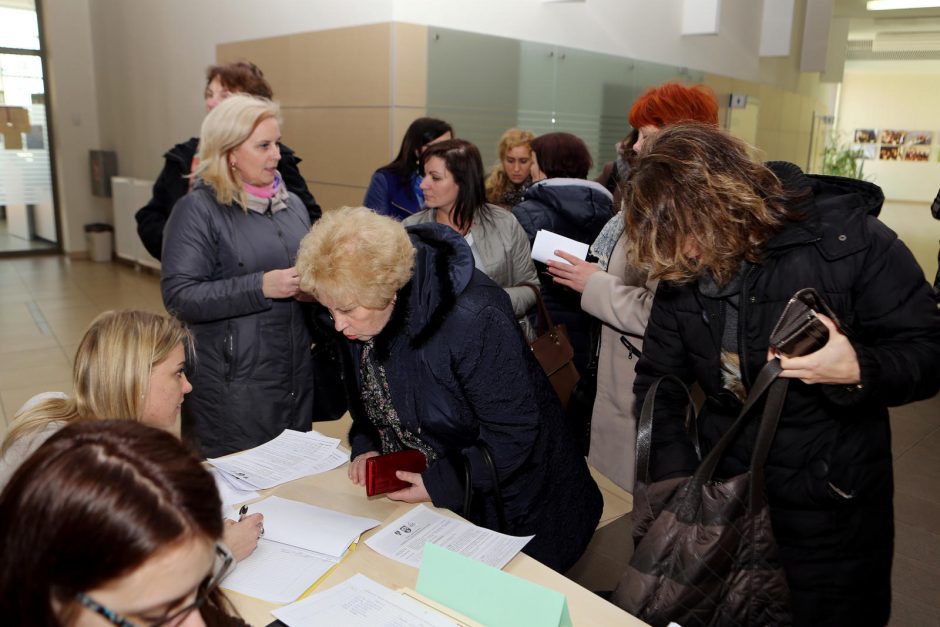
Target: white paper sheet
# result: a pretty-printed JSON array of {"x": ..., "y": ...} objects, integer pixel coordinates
[
  {"x": 403, "y": 540},
  {"x": 289, "y": 456},
  {"x": 229, "y": 491},
  {"x": 278, "y": 573},
  {"x": 310, "y": 527},
  {"x": 360, "y": 602},
  {"x": 546, "y": 243}
]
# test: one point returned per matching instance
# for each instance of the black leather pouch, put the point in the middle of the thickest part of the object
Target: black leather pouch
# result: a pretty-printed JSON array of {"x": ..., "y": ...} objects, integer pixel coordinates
[{"x": 799, "y": 331}]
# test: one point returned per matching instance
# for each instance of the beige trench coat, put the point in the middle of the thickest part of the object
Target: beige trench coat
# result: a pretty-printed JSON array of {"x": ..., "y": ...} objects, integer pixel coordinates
[{"x": 621, "y": 299}]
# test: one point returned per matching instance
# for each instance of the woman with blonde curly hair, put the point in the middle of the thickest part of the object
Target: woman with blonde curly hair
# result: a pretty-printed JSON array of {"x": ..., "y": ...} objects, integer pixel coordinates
[
  {"x": 507, "y": 183},
  {"x": 228, "y": 273},
  {"x": 129, "y": 365},
  {"x": 434, "y": 361}
]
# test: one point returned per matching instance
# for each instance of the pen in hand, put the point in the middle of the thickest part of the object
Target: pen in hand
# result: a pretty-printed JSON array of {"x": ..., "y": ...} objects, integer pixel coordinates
[{"x": 242, "y": 511}]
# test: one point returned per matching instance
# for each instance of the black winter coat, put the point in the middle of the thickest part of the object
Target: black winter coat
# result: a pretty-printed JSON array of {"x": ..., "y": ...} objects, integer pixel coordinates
[
  {"x": 172, "y": 185},
  {"x": 829, "y": 475},
  {"x": 460, "y": 372},
  {"x": 578, "y": 209},
  {"x": 253, "y": 375}
]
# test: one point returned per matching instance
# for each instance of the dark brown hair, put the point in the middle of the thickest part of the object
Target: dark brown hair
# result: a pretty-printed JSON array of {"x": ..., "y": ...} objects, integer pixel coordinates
[
  {"x": 93, "y": 503},
  {"x": 562, "y": 155},
  {"x": 420, "y": 132},
  {"x": 693, "y": 185},
  {"x": 464, "y": 163},
  {"x": 241, "y": 76}
]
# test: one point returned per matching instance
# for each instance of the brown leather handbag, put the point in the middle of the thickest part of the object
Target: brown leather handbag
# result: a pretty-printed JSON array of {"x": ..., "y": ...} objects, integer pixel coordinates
[
  {"x": 553, "y": 351},
  {"x": 705, "y": 551}
]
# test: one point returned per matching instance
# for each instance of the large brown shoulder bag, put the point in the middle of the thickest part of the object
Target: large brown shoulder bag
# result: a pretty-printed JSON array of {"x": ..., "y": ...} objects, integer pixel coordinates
[
  {"x": 553, "y": 351},
  {"x": 705, "y": 551}
]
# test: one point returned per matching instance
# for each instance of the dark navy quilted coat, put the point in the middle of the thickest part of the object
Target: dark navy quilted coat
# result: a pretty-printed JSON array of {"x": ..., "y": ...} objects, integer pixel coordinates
[{"x": 459, "y": 371}]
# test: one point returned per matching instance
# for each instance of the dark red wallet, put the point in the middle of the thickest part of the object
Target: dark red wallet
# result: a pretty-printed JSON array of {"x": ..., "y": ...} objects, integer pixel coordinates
[{"x": 380, "y": 470}]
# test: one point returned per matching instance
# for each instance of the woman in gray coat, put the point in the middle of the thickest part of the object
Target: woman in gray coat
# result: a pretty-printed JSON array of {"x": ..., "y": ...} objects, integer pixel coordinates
[
  {"x": 455, "y": 196},
  {"x": 228, "y": 272}
]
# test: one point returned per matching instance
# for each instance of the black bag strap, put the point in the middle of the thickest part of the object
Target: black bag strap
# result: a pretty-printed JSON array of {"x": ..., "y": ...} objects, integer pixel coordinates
[
  {"x": 494, "y": 475},
  {"x": 767, "y": 379},
  {"x": 644, "y": 430}
]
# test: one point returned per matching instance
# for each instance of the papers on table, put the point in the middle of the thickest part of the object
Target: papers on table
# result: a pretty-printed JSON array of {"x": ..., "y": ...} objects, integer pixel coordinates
[
  {"x": 289, "y": 456},
  {"x": 231, "y": 490},
  {"x": 546, "y": 243},
  {"x": 360, "y": 602},
  {"x": 403, "y": 540},
  {"x": 301, "y": 543}
]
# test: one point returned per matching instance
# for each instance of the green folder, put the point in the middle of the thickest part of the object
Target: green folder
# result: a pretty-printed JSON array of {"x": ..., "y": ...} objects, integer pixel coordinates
[{"x": 486, "y": 594}]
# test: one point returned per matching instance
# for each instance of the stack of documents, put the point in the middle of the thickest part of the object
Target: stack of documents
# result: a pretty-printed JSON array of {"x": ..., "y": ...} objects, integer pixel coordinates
[
  {"x": 301, "y": 543},
  {"x": 289, "y": 456}
]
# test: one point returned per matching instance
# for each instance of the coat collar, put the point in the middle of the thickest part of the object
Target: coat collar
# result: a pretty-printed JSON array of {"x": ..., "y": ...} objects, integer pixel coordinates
[{"x": 443, "y": 269}]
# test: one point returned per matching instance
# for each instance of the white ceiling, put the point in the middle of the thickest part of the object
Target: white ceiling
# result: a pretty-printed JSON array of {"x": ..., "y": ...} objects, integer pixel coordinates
[{"x": 864, "y": 24}]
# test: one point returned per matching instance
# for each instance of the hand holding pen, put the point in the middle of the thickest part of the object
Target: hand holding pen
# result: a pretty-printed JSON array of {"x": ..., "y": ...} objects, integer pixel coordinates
[{"x": 242, "y": 537}]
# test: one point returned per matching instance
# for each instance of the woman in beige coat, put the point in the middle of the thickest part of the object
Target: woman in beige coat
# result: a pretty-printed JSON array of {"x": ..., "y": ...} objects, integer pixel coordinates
[{"x": 621, "y": 298}]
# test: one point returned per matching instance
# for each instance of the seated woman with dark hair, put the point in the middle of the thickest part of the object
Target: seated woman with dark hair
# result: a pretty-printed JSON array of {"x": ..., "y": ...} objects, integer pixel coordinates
[
  {"x": 453, "y": 192},
  {"x": 112, "y": 522},
  {"x": 563, "y": 201},
  {"x": 435, "y": 362},
  {"x": 174, "y": 181},
  {"x": 394, "y": 189}
]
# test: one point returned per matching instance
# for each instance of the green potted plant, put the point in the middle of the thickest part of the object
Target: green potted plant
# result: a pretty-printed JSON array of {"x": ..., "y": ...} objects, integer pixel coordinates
[{"x": 841, "y": 159}]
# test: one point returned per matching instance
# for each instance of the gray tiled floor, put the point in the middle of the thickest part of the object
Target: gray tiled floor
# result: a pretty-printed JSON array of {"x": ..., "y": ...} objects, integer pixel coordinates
[{"x": 46, "y": 303}]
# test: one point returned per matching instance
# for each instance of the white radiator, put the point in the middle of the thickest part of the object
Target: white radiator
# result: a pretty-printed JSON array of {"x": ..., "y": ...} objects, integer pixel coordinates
[{"x": 129, "y": 195}]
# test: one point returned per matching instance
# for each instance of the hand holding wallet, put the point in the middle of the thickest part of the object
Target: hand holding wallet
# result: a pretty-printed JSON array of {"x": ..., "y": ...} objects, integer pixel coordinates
[
  {"x": 380, "y": 470},
  {"x": 799, "y": 331}
]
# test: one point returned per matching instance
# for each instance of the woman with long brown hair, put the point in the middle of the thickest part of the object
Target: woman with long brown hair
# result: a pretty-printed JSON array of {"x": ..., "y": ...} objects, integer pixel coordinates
[{"x": 731, "y": 241}]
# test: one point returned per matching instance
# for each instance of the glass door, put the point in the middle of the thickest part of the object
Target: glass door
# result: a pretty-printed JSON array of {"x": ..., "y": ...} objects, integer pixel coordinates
[{"x": 27, "y": 207}]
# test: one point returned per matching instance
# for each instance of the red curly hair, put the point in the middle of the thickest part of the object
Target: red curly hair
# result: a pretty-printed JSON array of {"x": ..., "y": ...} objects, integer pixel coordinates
[{"x": 671, "y": 103}]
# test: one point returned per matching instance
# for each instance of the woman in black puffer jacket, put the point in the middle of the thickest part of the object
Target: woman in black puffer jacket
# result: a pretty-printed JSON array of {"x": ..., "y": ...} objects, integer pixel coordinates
[{"x": 731, "y": 241}]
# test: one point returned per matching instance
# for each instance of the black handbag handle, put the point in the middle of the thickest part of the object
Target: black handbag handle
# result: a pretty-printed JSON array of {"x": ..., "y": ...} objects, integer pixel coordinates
[
  {"x": 497, "y": 491},
  {"x": 767, "y": 379},
  {"x": 644, "y": 430}
]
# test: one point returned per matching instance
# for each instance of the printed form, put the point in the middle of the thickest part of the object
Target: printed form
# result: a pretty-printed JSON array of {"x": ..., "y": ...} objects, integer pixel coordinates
[{"x": 403, "y": 540}]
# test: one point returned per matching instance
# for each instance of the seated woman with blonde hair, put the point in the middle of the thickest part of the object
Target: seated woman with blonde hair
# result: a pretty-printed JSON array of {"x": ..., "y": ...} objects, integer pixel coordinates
[
  {"x": 507, "y": 183},
  {"x": 435, "y": 362},
  {"x": 129, "y": 365}
]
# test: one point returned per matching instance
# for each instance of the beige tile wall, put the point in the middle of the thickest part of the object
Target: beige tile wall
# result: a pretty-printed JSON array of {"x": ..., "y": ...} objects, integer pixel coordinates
[{"x": 344, "y": 117}]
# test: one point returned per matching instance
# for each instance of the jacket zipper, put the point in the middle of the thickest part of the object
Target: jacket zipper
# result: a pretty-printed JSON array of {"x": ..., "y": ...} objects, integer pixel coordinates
[
  {"x": 742, "y": 325},
  {"x": 290, "y": 359}
]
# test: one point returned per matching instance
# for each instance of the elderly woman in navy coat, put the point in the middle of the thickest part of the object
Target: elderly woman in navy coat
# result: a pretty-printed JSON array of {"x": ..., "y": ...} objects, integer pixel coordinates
[{"x": 436, "y": 362}]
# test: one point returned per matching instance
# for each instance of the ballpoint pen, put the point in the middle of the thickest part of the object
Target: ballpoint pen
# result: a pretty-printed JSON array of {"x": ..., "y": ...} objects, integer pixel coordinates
[{"x": 242, "y": 511}]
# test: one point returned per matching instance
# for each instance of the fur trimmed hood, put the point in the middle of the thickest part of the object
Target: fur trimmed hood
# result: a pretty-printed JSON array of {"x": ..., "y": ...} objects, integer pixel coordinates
[{"x": 443, "y": 268}]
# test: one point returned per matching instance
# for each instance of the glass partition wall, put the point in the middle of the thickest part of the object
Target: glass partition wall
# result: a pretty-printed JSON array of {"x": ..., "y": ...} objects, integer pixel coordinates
[
  {"x": 483, "y": 85},
  {"x": 27, "y": 208}
]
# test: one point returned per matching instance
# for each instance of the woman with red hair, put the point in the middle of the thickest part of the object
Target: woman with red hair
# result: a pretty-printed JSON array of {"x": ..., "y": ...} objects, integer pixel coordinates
[
  {"x": 669, "y": 104},
  {"x": 620, "y": 296}
]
